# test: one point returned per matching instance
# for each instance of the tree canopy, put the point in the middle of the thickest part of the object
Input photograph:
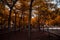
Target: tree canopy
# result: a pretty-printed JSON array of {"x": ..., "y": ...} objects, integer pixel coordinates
[{"x": 43, "y": 12}]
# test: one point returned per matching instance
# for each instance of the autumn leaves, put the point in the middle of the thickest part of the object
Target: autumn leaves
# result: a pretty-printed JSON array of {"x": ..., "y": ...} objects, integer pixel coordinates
[{"x": 20, "y": 13}]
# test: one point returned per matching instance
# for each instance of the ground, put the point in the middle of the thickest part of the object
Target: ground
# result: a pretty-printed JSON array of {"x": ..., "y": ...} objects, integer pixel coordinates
[{"x": 24, "y": 35}]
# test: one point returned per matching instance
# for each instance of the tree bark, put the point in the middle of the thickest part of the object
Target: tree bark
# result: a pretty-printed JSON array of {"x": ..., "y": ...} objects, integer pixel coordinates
[{"x": 29, "y": 20}]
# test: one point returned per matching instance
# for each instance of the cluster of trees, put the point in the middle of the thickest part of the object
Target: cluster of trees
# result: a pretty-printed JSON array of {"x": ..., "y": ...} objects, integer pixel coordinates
[{"x": 17, "y": 13}]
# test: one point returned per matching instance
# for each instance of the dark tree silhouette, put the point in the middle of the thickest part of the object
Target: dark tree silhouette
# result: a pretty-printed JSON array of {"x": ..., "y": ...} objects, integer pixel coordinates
[
  {"x": 11, "y": 5},
  {"x": 29, "y": 24}
]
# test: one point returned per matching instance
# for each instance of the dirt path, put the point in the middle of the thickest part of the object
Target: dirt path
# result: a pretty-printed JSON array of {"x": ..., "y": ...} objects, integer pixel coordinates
[{"x": 24, "y": 36}]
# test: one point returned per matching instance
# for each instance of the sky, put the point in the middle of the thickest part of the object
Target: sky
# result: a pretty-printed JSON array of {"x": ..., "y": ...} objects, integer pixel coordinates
[
  {"x": 56, "y": 2},
  {"x": 53, "y": 2}
]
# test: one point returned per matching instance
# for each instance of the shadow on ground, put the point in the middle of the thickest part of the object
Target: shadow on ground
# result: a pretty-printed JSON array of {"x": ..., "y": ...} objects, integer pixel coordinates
[{"x": 24, "y": 35}]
